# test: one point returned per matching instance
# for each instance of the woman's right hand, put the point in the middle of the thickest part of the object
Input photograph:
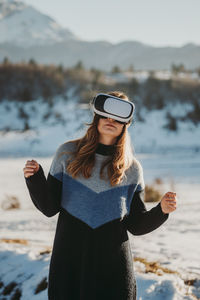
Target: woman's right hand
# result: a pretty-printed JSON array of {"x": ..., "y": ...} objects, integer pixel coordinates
[{"x": 31, "y": 167}]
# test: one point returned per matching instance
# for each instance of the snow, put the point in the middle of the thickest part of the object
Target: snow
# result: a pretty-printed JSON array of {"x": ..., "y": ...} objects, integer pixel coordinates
[
  {"x": 142, "y": 75},
  {"x": 150, "y": 136}
]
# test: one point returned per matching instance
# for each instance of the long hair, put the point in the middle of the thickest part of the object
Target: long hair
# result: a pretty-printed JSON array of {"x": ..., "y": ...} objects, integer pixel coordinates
[{"x": 83, "y": 159}]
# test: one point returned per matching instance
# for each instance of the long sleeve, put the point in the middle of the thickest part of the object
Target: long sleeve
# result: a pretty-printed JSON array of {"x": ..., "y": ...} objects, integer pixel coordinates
[
  {"x": 46, "y": 193},
  {"x": 140, "y": 220}
]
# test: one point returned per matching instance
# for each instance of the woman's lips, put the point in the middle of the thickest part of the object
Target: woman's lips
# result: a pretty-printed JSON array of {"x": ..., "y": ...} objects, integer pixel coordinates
[{"x": 110, "y": 125}]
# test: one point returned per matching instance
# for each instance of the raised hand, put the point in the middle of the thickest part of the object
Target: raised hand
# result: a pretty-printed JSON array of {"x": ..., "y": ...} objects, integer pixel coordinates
[
  {"x": 30, "y": 168},
  {"x": 168, "y": 202}
]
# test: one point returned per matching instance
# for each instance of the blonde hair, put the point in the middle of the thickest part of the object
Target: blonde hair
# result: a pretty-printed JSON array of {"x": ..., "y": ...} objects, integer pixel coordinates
[{"x": 83, "y": 159}]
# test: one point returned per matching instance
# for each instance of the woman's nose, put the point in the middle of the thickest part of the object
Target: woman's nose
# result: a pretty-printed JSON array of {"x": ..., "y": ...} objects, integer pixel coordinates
[{"x": 110, "y": 119}]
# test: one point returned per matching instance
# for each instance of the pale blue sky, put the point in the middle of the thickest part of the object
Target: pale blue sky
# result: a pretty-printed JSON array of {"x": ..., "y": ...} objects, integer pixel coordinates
[{"x": 155, "y": 22}]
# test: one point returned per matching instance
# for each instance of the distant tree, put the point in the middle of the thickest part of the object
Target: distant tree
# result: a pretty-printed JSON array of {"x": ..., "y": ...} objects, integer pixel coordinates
[
  {"x": 96, "y": 76},
  {"x": 26, "y": 94},
  {"x": 47, "y": 93},
  {"x": 79, "y": 66},
  {"x": 152, "y": 73},
  {"x": 116, "y": 69},
  {"x": 22, "y": 114},
  {"x": 6, "y": 60},
  {"x": 60, "y": 68},
  {"x": 32, "y": 62},
  {"x": 182, "y": 68},
  {"x": 177, "y": 68},
  {"x": 172, "y": 122},
  {"x": 153, "y": 95},
  {"x": 198, "y": 71},
  {"x": 194, "y": 115},
  {"x": 26, "y": 125},
  {"x": 160, "y": 101},
  {"x": 134, "y": 85},
  {"x": 130, "y": 68}
]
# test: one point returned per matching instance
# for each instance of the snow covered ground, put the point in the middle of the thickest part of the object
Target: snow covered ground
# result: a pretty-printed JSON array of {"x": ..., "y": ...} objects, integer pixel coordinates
[
  {"x": 66, "y": 120},
  {"x": 26, "y": 236}
]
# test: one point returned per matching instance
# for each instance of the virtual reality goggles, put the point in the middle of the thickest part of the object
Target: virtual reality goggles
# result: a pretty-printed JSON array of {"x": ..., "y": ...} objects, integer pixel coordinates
[{"x": 113, "y": 107}]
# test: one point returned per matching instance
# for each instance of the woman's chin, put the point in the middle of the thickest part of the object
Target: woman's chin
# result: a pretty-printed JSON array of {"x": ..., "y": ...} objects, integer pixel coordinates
[
  {"x": 109, "y": 129},
  {"x": 108, "y": 132}
]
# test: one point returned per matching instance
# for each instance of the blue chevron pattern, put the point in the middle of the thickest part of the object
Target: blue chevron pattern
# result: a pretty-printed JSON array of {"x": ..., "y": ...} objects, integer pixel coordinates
[{"x": 96, "y": 209}]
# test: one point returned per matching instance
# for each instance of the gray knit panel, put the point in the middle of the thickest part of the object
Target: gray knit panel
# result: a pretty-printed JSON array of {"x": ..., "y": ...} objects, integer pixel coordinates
[
  {"x": 134, "y": 175},
  {"x": 94, "y": 200}
]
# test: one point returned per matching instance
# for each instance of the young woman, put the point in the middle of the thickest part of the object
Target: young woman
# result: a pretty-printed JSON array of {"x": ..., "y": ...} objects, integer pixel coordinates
[{"x": 96, "y": 184}]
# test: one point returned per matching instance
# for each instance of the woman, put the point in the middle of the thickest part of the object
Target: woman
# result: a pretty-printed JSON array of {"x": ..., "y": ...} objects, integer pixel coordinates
[{"x": 96, "y": 184}]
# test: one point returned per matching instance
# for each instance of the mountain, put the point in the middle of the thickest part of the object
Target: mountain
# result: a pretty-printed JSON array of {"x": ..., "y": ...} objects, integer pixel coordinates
[
  {"x": 26, "y": 33},
  {"x": 104, "y": 55},
  {"x": 24, "y": 26}
]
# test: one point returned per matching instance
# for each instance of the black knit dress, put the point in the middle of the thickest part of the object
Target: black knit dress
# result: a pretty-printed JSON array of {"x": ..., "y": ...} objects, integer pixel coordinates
[{"x": 91, "y": 257}]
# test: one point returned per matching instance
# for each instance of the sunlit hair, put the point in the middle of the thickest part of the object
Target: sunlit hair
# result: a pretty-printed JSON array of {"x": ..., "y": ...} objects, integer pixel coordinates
[{"x": 83, "y": 158}]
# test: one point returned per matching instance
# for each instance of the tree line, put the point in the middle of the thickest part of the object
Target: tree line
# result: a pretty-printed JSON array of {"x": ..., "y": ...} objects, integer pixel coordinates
[{"x": 28, "y": 81}]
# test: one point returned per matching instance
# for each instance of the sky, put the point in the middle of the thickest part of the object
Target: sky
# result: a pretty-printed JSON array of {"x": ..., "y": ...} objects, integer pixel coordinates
[{"x": 153, "y": 22}]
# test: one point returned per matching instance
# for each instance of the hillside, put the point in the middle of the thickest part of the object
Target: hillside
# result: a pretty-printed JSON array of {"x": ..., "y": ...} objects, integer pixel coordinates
[{"x": 43, "y": 106}]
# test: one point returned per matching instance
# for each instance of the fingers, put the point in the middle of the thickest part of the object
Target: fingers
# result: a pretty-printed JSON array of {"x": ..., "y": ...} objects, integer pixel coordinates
[
  {"x": 171, "y": 194},
  {"x": 30, "y": 168},
  {"x": 170, "y": 201},
  {"x": 28, "y": 174},
  {"x": 31, "y": 162},
  {"x": 171, "y": 205},
  {"x": 170, "y": 197}
]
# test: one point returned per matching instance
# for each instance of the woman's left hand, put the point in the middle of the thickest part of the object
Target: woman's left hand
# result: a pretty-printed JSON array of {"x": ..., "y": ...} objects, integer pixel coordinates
[{"x": 168, "y": 202}]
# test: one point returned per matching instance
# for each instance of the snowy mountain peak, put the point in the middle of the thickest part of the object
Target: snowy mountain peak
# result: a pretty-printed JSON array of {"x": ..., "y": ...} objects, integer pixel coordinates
[
  {"x": 25, "y": 26},
  {"x": 7, "y": 7}
]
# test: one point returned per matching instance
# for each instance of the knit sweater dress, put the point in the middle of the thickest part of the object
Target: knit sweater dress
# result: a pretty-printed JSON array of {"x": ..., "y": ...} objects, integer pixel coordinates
[{"x": 91, "y": 256}]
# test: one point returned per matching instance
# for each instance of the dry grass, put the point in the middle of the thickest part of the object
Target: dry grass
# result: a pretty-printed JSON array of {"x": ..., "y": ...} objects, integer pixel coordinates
[
  {"x": 10, "y": 202},
  {"x": 9, "y": 288},
  {"x": 46, "y": 251},
  {"x": 152, "y": 194},
  {"x": 17, "y": 294},
  {"x": 158, "y": 181},
  {"x": 190, "y": 281},
  {"x": 12, "y": 290},
  {"x": 41, "y": 286},
  {"x": 154, "y": 267},
  {"x": 14, "y": 241}
]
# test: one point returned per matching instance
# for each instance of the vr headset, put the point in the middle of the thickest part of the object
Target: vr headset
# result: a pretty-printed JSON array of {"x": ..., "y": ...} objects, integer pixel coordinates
[{"x": 113, "y": 107}]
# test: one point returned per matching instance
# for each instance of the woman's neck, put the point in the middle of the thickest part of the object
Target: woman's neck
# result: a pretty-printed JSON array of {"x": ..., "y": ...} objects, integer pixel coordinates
[
  {"x": 105, "y": 149},
  {"x": 107, "y": 140}
]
